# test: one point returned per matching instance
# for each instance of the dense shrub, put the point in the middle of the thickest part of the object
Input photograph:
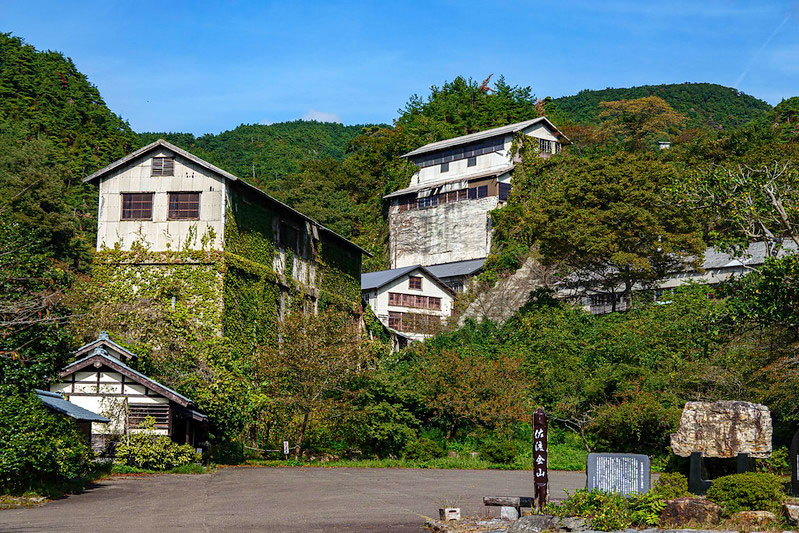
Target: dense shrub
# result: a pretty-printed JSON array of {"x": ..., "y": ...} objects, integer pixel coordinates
[
  {"x": 149, "y": 450},
  {"x": 608, "y": 511},
  {"x": 752, "y": 491},
  {"x": 423, "y": 450},
  {"x": 500, "y": 452},
  {"x": 670, "y": 486},
  {"x": 39, "y": 449}
]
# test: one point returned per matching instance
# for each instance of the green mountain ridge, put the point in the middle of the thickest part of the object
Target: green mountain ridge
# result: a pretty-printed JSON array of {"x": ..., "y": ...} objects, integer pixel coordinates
[{"x": 706, "y": 105}]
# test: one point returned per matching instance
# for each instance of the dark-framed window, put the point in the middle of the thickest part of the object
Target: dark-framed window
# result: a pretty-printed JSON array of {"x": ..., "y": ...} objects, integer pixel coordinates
[
  {"x": 504, "y": 191},
  {"x": 289, "y": 237},
  {"x": 184, "y": 206},
  {"x": 163, "y": 166},
  {"x": 545, "y": 146},
  {"x": 472, "y": 161},
  {"x": 415, "y": 283},
  {"x": 137, "y": 206},
  {"x": 464, "y": 151},
  {"x": 445, "y": 167}
]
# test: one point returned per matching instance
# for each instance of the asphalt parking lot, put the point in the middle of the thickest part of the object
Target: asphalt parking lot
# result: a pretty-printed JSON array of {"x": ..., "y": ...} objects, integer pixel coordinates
[{"x": 280, "y": 499}]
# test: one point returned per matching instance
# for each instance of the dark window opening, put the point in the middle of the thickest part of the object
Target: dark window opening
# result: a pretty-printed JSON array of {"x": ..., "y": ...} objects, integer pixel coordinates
[
  {"x": 482, "y": 191},
  {"x": 163, "y": 166},
  {"x": 472, "y": 161},
  {"x": 415, "y": 283},
  {"x": 475, "y": 149},
  {"x": 184, "y": 206},
  {"x": 444, "y": 167},
  {"x": 427, "y": 201},
  {"x": 289, "y": 237},
  {"x": 504, "y": 191},
  {"x": 137, "y": 206}
]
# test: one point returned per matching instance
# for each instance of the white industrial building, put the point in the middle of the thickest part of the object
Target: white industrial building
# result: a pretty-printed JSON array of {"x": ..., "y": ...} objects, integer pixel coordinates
[
  {"x": 443, "y": 215},
  {"x": 410, "y": 301}
]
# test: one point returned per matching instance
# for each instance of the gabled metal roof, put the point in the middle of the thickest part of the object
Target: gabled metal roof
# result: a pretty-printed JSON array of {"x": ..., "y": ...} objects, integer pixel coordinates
[
  {"x": 105, "y": 340},
  {"x": 161, "y": 143},
  {"x": 375, "y": 280},
  {"x": 486, "y": 134},
  {"x": 56, "y": 402},
  {"x": 457, "y": 268}
]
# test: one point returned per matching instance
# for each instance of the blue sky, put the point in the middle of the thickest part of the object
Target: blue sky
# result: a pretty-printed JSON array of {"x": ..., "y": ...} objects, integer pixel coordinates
[{"x": 209, "y": 66}]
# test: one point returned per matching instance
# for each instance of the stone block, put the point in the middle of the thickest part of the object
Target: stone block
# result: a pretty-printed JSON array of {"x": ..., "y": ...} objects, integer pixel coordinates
[
  {"x": 449, "y": 513},
  {"x": 749, "y": 519},
  {"x": 508, "y": 513},
  {"x": 723, "y": 429},
  {"x": 791, "y": 513},
  {"x": 683, "y": 510}
]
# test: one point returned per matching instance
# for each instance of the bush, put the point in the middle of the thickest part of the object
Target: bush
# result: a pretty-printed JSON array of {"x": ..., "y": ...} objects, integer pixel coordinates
[
  {"x": 423, "y": 450},
  {"x": 609, "y": 511},
  {"x": 500, "y": 452},
  {"x": 40, "y": 450},
  {"x": 752, "y": 491},
  {"x": 670, "y": 486},
  {"x": 149, "y": 450},
  {"x": 778, "y": 463}
]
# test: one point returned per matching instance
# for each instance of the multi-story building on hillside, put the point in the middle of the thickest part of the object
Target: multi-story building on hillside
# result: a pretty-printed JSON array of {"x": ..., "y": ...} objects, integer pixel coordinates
[
  {"x": 175, "y": 229},
  {"x": 443, "y": 216}
]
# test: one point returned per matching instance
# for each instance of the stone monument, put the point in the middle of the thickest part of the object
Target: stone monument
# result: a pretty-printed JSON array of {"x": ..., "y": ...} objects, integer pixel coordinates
[
  {"x": 625, "y": 473},
  {"x": 724, "y": 429}
]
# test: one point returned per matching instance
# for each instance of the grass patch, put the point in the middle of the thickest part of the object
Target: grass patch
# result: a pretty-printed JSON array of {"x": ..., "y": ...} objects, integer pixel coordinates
[
  {"x": 185, "y": 469},
  {"x": 443, "y": 463}
]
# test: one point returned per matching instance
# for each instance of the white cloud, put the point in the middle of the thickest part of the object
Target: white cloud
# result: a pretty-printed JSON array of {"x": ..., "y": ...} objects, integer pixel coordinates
[
  {"x": 265, "y": 122},
  {"x": 321, "y": 116}
]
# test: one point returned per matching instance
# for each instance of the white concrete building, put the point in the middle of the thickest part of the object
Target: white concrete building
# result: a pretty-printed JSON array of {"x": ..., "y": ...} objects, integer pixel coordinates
[
  {"x": 99, "y": 381},
  {"x": 410, "y": 300},
  {"x": 443, "y": 216}
]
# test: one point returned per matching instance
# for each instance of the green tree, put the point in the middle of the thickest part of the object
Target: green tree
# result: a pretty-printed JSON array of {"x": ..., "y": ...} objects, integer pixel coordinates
[
  {"x": 636, "y": 120},
  {"x": 605, "y": 222}
]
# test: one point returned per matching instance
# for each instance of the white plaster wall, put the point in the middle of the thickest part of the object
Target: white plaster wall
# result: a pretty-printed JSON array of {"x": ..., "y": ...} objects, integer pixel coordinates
[
  {"x": 161, "y": 234},
  {"x": 448, "y": 232},
  {"x": 378, "y": 299},
  {"x": 459, "y": 168},
  {"x": 110, "y": 392}
]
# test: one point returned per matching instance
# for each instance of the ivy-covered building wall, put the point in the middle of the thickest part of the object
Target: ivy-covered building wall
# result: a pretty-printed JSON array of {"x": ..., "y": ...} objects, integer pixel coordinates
[{"x": 198, "y": 311}]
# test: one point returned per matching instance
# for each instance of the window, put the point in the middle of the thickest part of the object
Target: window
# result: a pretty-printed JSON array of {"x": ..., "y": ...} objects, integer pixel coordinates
[
  {"x": 473, "y": 193},
  {"x": 394, "y": 320},
  {"x": 482, "y": 191},
  {"x": 289, "y": 237},
  {"x": 427, "y": 201},
  {"x": 444, "y": 167},
  {"x": 434, "y": 303},
  {"x": 137, "y": 206},
  {"x": 163, "y": 166},
  {"x": 184, "y": 206},
  {"x": 504, "y": 191},
  {"x": 472, "y": 161},
  {"x": 465, "y": 151},
  {"x": 544, "y": 146},
  {"x": 415, "y": 283},
  {"x": 137, "y": 414}
]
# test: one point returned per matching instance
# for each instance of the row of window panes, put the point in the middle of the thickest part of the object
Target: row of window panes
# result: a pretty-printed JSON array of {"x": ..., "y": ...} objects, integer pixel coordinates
[
  {"x": 470, "y": 162},
  {"x": 472, "y": 193},
  {"x": 139, "y": 206},
  {"x": 486, "y": 146},
  {"x": 163, "y": 166},
  {"x": 415, "y": 283},
  {"x": 413, "y": 322},
  {"x": 414, "y": 300},
  {"x": 604, "y": 299},
  {"x": 548, "y": 147}
]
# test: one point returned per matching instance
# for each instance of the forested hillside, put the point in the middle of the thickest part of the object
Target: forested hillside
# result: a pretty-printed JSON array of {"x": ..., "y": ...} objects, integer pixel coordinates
[
  {"x": 265, "y": 154},
  {"x": 706, "y": 105},
  {"x": 54, "y": 129}
]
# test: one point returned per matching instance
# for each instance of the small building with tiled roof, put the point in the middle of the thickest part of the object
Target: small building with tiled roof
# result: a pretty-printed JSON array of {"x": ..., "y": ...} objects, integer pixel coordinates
[{"x": 100, "y": 382}]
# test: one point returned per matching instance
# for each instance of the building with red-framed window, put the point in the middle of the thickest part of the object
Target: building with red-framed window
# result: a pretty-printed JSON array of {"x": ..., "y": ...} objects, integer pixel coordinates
[{"x": 411, "y": 301}]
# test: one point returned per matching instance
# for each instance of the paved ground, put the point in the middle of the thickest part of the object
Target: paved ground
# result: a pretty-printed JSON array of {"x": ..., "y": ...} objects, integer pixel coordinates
[{"x": 279, "y": 499}]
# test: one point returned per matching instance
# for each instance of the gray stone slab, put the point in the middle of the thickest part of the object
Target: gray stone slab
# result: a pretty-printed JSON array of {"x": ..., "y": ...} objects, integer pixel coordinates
[{"x": 624, "y": 473}]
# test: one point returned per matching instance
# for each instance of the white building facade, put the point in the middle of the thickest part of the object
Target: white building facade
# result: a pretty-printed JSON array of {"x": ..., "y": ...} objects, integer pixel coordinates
[
  {"x": 443, "y": 216},
  {"x": 410, "y": 300}
]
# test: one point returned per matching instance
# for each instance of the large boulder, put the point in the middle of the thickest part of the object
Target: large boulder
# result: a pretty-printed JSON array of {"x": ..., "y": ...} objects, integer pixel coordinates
[
  {"x": 791, "y": 513},
  {"x": 753, "y": 519},
  {"x": 723, "y": 429},
  {"x": 680, "y": 511}
]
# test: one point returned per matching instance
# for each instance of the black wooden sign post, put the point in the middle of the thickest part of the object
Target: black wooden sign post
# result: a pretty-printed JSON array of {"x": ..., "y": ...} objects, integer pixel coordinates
[{"x": 540, "y": 452}]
